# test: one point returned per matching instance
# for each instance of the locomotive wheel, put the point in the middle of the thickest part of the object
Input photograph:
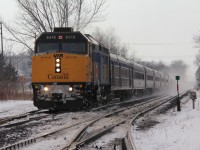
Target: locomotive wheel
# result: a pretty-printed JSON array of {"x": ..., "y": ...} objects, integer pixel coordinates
[{"x": 86, "y": 102}]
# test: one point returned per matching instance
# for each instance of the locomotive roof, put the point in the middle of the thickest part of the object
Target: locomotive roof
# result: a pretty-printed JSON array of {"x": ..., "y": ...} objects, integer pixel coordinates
[
  {"x": 91, "y": 39},
  {"x": 50, "y": 36},
  {"x": 76, "y": 33}
]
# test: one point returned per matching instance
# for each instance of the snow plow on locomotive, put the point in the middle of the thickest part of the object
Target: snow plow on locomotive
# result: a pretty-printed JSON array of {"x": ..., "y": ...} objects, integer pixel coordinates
[{"x": 71, "y": 70}]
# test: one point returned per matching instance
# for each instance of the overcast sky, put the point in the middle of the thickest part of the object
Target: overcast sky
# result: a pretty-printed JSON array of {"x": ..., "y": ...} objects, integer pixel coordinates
[{"x": 154, "y": 29}]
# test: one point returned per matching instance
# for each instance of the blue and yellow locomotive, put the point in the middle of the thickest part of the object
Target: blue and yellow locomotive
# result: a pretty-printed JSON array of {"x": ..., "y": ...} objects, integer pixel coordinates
[{"x": 71, "y": 70}]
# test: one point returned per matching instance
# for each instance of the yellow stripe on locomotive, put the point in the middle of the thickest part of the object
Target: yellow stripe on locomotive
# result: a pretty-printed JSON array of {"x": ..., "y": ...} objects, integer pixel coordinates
[{"x": 61, "y": 67}]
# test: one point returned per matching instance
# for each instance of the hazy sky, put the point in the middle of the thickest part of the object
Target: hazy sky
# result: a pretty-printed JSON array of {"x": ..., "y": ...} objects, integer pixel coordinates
[
  {"x": 154, "y": 29},
  {"x": 157, "y": 29}
]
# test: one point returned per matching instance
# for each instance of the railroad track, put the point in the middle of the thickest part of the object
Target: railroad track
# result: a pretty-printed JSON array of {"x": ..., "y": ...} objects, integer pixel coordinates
[
  {"x": 76, "y": 142},
  {"x": 24, "y": 115},
  {"x": 21, "y": 116},
  {"x": 82, "y": 138},
  {"x": 31, "y": 140},
  {"x": 127, "y": 141},
  {"x": 125, "y": 103}
]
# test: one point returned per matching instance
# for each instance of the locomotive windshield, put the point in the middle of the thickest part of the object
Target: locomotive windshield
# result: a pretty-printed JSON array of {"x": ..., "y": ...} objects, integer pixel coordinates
[
  {"x": 73, "y": 48},
  {"x": 45, "y": 47},
  {"x": 70, "y": 42}
]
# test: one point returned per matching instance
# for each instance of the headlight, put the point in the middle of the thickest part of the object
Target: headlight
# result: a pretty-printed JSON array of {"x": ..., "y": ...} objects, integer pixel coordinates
[
  {"x": 57, "y": 60},
  {"x": 58, "y": 70},
  {"x": 46, "y": 89},
  {"x": 70, "y": 89},
  {"x": 58, "y": 65}
]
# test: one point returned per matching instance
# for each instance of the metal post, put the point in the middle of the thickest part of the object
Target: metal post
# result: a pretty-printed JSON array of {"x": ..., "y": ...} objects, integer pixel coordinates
[
  {"x": 193, "y": 103},
  {"x": 1, "y": 27},
  {"x": 178, "y": 99}
]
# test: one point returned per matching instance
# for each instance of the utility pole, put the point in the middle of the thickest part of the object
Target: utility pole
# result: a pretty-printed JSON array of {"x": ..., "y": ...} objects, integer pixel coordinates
[{"x": 1, "y": 32}]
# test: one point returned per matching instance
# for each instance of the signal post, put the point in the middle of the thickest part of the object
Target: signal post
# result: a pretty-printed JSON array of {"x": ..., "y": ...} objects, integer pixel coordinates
[
  {"x": 178, "y": 99},
  {"x": 193, "y": 96}
]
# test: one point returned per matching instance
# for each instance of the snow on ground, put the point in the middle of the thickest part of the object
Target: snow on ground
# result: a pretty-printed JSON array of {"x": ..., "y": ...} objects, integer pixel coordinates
[
  {"x": 55, "y": 142},
  {"x": 15, "y": 107},
  {"x": 107, "y": 140},
  {"x": 177, "y": 130},
  {"x": 50, "y": 123}
]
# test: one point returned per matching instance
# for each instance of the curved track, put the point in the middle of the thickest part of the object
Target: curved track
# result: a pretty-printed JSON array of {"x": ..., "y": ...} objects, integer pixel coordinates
[
  {"x": 119, "y": 117},
  {"x": 82, "y": 123},
  {"x": 86, "y": 134},
  {"x": 128, "y": 142}
]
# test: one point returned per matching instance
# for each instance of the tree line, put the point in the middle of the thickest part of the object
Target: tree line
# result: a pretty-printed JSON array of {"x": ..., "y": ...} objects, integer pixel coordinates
[
  {"x": 37, "y": 16},
  {"x": 8, "y": 79}
]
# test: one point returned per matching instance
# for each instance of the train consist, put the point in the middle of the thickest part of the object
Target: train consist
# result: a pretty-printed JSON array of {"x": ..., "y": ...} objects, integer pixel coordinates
[{"x": 71, "y": 70}]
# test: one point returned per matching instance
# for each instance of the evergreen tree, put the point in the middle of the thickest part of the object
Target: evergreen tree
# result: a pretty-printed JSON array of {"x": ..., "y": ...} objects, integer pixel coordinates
[
  {"x": 8, "y": 78},
  {"x": 2, "y": 67},
  {"x": 2, "y": 71},
  {"x": 10, "y": 73}
]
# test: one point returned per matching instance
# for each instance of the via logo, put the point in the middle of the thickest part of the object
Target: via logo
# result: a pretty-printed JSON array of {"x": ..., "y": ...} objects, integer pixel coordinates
[{"x": 58, "y": 55}]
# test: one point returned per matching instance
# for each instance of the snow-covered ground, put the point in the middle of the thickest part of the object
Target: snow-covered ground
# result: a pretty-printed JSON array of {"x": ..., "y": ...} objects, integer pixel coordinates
[
  {"x": 48, "y": 124},
  {"x": 15, "y": 107},
  {"x": 176, "y": 130}
]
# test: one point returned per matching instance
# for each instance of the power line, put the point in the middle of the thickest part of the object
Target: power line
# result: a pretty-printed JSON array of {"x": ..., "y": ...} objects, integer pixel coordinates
[
  {"x": 188, "y": 57},
  {"x": 158, "y": 44}
]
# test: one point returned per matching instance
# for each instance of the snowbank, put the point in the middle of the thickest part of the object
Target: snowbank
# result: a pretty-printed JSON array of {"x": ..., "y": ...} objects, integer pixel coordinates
[
  {"x": 15, "y": 107},
  {"x": 177, "y": 130}
]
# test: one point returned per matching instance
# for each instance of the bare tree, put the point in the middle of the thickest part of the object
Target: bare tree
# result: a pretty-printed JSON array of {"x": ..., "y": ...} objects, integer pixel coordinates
[
  {"x": 111, "y": 41},
  {"x": 37, "y": 16},
  {"x": 88, "y": 12},
  {"x": 178, "y": 67},
  {"x": 196, "y": 40},
  {"x": 197, "y": 59},
  {"x": 160, "y": 66}
]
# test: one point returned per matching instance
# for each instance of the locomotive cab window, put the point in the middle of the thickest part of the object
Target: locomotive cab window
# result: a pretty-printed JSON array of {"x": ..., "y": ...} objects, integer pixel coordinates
[
  {"x": 74, "y": 48},
  {"x": 45, "y": 47}
]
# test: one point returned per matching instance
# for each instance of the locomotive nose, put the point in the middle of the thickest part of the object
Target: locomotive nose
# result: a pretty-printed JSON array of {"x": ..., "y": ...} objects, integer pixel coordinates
[{"x": 57, "y": 95}]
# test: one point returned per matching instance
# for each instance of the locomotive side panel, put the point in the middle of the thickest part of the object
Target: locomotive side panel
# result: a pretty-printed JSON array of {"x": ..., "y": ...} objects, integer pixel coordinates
[
  {"x": 100, "y": 68},
  {"x": 96, "y": 66}
]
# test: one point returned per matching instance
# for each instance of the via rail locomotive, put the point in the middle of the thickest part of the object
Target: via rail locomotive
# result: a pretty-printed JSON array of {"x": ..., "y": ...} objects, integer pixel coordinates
[{"x": 72, "y": 70}]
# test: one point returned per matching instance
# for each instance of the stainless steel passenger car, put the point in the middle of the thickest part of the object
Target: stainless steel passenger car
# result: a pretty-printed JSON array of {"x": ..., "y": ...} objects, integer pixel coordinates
[{"x": 129, "y": 78}]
